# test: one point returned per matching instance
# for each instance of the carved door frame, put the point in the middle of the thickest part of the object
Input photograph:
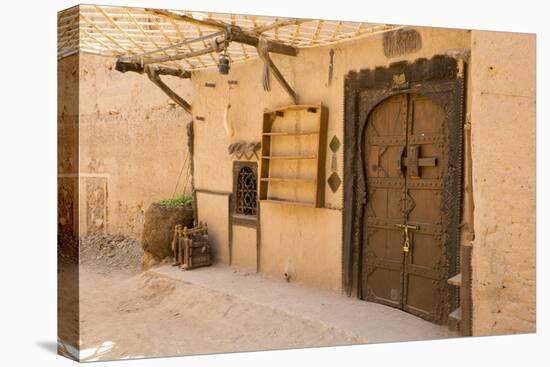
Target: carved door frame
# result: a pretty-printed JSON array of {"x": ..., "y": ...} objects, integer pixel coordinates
[{"x": 440, "y": 78}]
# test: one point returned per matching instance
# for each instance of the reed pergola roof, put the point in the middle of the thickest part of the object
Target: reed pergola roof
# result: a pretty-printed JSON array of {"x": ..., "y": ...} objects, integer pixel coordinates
[{"x": 187, "y": 40}]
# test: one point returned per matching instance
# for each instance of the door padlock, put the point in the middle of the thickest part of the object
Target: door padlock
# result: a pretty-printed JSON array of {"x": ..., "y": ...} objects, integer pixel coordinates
[{"x": 405, "y": 228}]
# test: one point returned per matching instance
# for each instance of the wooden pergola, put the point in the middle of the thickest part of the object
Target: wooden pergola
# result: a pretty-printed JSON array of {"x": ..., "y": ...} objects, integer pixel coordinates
[{"x": 176, "y": 43}]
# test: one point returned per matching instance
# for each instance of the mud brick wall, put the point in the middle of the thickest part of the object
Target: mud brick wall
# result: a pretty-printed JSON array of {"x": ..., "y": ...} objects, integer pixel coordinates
[
  {"x": 304, "y": 242},
  {"x": 132, "y": 143},
  {"x": 503, "y": 150},
  {"x": 131, "y": 140}
]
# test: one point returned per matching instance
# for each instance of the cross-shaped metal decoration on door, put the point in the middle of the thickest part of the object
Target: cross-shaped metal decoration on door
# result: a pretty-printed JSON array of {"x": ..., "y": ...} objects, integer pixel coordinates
[{"x": 413, "y": 161}]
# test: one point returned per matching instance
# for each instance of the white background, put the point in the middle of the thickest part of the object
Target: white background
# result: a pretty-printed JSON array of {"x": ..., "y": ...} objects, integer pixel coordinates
[{"x": 28, "y": 182}]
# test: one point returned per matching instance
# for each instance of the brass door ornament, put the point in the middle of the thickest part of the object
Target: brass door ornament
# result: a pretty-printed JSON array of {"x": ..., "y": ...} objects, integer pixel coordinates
[{"x": 405, "y": 228}]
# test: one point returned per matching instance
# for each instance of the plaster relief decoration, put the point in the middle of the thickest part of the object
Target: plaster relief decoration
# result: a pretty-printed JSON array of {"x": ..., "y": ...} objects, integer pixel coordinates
[
  {"x": 241, "y": 149},
  {"x": 401, "y": 42},
  {"x": 65, "y": 203},
  {"x": 65, "y": 165},
  {"x": 95, "y": 165},
  {"x": 96, "y": 205},
  {"x": 227, "y": 122}
]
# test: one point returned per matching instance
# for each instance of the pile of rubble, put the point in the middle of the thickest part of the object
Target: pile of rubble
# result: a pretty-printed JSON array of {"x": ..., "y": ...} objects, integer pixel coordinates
[
  {"x": 114, "y": 251},
  {"x": 67, "y": 248}
]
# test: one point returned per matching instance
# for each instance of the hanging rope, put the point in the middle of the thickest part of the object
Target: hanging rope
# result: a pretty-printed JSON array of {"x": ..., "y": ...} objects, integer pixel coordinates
[
  {"x": 179, "y": 177},
  {"x": 269, "y": 67}
]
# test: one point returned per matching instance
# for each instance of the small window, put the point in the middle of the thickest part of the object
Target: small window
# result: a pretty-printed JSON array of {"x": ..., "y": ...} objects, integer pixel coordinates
[{"x": 245, "y": 194}]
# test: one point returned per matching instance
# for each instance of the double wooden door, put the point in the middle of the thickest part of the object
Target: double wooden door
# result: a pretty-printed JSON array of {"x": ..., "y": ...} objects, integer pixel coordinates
[{"x": 403, "y": 251}]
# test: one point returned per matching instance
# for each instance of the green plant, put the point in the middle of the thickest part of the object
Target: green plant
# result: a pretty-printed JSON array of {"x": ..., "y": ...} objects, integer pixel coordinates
[{"x": 180, "y": 199}]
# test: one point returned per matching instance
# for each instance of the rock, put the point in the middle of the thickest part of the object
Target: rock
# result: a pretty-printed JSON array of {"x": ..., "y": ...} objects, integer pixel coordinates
[
  {"x": 148, "y": 260},
  {"x": 158, "y": 229}
]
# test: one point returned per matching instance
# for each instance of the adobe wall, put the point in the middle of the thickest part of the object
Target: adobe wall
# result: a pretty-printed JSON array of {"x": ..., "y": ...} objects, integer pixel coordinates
[
  {"x": 504, "y": 178},
  {"x": 305, "y": 241},
  {"x": 132, "y": 143},
  {"x": 67, "y": 144},
  {"x": 132, "y": 146}
]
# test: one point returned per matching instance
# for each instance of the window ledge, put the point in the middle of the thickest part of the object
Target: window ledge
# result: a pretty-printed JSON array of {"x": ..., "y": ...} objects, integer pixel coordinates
[{"x": 245, "y": 220}]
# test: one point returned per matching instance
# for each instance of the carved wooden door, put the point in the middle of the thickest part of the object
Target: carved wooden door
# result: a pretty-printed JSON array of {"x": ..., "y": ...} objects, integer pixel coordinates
[{"x": 404, "y": 259}]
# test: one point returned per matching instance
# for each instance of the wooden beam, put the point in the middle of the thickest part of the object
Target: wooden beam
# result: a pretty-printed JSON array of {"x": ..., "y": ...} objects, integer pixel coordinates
[
  {"x": 186, "y": 18},
  {"x": 236, "y": 33},
  {"x": 264, "y": 55},
  {"x": 280, "y": 23},
  {"x": 281, "y": 79},
  {"x": 161, "y": 70},
  {"x": 177, "y": 56},
  {"x": 240, "y": 36},
  {"x": 153, "y": 73},
  {"x": 154, "y": 77},
  {"x": 179, "y": 44}
]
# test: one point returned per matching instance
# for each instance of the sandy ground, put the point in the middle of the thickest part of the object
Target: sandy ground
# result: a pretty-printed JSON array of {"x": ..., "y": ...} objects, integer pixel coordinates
[
  {"x": 127, "y": 313},
  {"x": 125, "y": 316}
]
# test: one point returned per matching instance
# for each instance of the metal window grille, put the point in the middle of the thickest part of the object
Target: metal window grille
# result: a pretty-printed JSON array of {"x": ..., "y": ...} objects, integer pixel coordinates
[{"x": 246, "y": 192}]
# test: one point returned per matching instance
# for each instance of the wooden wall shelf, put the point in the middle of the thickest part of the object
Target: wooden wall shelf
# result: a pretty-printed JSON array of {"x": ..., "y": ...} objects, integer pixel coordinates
[
  {"x": 291, "y": 157},
  {"x": 292, "y": 133},
  {"x": 283, "y": 179},
  {"x": 288, "y": 202},
  {"x": 292, "y": 170}
]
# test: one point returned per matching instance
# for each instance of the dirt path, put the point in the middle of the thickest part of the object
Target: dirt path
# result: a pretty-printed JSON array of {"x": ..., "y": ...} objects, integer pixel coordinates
[
  {"x": 129, "y": 316},
  {"x": 126, "y": 313}
]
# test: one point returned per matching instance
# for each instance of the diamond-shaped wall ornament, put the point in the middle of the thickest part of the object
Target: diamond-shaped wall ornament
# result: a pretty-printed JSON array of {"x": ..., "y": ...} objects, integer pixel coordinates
[
  {"x": 334, "y": 181},
  {"x": 334, "y": 144}
]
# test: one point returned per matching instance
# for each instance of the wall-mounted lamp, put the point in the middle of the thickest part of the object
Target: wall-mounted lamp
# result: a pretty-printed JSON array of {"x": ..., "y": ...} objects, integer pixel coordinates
[{"x": 223, "y": 64}]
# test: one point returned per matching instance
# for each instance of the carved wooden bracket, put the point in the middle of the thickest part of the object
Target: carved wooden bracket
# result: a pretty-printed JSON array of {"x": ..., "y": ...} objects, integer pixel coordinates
[{"x": 154, "y": 72}]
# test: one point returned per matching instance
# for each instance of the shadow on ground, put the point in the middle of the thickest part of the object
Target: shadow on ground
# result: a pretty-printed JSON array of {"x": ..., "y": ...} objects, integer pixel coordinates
[{"x": 48, "y": 345}]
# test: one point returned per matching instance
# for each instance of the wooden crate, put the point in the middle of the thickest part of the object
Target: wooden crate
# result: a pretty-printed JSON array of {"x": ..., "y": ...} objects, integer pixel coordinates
[{"x": 190, "y": 247}]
